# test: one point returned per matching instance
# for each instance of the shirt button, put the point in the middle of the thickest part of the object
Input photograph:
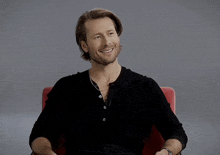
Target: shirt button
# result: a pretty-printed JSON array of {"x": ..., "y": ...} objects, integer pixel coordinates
[
  {"x": 104, "y": 107},
  {"x": 100, "y": 96},
  {"x": 104, "y": 119}
]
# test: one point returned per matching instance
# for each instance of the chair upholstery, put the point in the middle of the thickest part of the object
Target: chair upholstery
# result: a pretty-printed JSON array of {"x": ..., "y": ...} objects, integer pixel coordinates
[{"x": 154, "y": 143}]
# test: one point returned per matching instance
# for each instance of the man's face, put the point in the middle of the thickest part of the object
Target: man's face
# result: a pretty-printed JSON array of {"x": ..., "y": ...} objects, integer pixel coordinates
[{"x": 103, "y": 43}]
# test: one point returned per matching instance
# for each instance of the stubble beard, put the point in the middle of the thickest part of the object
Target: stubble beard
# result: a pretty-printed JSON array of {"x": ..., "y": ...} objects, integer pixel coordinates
[{"x": 105, "y": 61}]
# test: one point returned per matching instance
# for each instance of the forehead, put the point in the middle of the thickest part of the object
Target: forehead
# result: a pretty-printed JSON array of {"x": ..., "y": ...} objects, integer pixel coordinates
[{"x": 100, "y": 25}]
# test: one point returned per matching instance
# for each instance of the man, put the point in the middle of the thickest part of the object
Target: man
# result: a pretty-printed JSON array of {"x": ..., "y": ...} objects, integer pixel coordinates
[{"x": 107, "y": 109}]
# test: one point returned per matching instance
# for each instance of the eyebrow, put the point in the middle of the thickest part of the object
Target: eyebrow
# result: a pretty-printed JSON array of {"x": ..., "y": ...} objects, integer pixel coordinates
[{"x": 99, "y": 33}]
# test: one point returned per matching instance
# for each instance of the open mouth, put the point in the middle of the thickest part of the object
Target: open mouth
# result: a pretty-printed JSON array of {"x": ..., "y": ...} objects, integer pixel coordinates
[{"x": 108, "y": 51}]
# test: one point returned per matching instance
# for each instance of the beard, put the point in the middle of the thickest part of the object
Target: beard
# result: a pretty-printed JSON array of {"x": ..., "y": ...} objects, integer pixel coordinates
[{"x": 105, "y": 60}]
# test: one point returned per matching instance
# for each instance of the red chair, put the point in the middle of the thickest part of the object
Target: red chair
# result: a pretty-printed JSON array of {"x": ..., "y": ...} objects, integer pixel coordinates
[{"x": 154, "y": 143}]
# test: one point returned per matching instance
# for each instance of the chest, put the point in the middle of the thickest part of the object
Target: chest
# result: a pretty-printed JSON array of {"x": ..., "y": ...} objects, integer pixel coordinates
[{"x": 104, "y": 90}]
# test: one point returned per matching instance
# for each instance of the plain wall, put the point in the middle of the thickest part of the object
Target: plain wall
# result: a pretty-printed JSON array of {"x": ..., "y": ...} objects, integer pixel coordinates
[{"x": 176, "y": 42}]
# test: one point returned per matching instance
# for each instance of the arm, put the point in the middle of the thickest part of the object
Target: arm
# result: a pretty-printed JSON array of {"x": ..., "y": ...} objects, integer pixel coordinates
[
  {"x": 168, "y": 125},
  {"x": 51, "y": 123},
  {"x": 173, "y": 145},
  {"x": 42, "y": 146}
]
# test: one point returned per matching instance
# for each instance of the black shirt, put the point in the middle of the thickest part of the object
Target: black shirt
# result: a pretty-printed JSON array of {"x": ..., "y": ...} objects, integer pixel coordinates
[{"x": 76, "y": 110}]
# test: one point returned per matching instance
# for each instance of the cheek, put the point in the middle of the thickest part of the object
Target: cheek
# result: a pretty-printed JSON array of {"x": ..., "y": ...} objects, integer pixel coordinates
[
  {"x": 117, "y": 40},
  {"x": 94, "y": 45}
]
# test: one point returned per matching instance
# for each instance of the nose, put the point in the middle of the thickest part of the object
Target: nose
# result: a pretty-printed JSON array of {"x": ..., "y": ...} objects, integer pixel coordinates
[{"x": 106, "y": 41}]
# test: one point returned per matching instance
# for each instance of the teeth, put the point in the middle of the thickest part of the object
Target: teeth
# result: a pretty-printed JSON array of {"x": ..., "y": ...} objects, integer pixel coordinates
[{"x": 108, "y": 51}]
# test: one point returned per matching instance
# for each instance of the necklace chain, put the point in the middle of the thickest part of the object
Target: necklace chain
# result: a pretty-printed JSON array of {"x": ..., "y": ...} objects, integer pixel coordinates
[{"x": 96, "y": 87}]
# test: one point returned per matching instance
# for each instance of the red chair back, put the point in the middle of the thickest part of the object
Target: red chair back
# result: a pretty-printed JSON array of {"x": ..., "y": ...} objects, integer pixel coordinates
[
  {"x": 155, "y": 142},
  {"x": 44, "y": 97}
]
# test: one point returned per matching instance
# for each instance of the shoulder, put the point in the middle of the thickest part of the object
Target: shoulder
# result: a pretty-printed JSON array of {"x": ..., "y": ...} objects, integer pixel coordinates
[
  {"x": 71, "y": 80},
  {"x": 134, "y": 77},
  {"x": 68, "y": 84},
  {"x": 135, "y": 81}
]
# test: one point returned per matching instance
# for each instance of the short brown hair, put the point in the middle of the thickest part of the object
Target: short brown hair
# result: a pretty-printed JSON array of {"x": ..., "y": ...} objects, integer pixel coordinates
[{"x": 89, "y": 15}]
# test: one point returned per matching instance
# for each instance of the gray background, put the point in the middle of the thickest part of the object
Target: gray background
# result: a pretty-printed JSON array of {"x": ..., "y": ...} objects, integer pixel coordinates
[{"x": 176, "y": 42}]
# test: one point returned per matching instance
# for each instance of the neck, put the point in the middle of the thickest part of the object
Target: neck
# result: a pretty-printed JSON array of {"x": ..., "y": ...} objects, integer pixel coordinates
[{"x": 105, "y": 73}]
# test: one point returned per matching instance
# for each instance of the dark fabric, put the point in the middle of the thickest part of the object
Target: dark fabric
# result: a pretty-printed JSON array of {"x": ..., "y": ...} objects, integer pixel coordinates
[{"x": 75, "y": 111}]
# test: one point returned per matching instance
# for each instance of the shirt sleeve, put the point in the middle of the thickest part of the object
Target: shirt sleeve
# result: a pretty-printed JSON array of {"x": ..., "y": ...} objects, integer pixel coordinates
[
  {"x": 166, "y": 121},
  {"x": 51, "y": 121}
]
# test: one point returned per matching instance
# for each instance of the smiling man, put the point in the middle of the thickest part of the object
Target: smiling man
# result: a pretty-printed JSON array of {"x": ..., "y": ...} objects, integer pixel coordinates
[
  {"x": 107, "y": 109},
  {"x": 103, "y": 43}
]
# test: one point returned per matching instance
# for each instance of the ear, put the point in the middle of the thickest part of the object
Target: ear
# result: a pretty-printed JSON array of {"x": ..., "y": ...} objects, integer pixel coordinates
[{"x": 84, "y": 46}]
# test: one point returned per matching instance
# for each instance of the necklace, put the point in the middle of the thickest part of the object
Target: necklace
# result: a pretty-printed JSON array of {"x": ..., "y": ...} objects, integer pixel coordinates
[
  {"x": 93, "y": 83},
  {"x": 97, "y": 88}
]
